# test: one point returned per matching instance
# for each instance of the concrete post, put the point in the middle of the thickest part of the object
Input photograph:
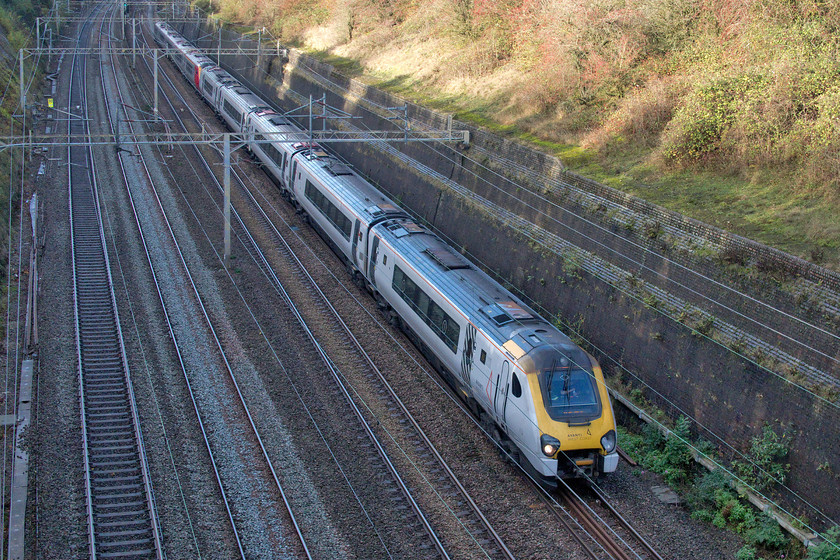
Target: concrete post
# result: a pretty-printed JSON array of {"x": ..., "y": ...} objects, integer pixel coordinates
[
  {"x": 310, "y": 118},
  {"x": 22, "y": 87}
]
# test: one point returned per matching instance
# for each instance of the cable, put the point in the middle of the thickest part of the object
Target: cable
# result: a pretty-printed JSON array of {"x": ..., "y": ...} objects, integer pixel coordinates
[
  {"x": 723, "y": 441},
  {"x": 362, "y": 106}
]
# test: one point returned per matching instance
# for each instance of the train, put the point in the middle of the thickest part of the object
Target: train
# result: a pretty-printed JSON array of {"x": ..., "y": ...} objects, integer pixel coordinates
[{"x": 540, "y": 396}]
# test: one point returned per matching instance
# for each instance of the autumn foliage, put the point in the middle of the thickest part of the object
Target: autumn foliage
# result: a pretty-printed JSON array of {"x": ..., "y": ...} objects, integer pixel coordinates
[{"x": 717, "y": 84}]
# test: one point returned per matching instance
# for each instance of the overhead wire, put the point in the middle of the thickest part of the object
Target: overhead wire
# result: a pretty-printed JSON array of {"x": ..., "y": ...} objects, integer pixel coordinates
[
  {"x": 283, "y": 368},
  {"x": 718, "y": 342},
  {"x": 706, "y": 429},
  {"x": 722, "y": 440},
  {"x": 216, "y": 202},
  {"x": 695, "y": 420}
]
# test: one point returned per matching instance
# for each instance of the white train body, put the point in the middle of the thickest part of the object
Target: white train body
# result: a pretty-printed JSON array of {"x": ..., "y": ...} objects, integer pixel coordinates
[{"x": 542, "y": 397}]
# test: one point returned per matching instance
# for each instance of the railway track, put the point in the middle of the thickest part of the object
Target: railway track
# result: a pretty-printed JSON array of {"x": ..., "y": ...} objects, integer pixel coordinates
[
  {"x": 614, "y": 535},
  {"x": 466, "y": 512},
  {"x": 481, "y": 532},
  {"x": 295, "y": 547},
  {"x": 120, "y": 502}
]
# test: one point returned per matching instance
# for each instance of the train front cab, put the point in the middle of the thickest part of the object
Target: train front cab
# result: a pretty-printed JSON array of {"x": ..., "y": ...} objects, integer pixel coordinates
[{"x": 575, "y": 421}]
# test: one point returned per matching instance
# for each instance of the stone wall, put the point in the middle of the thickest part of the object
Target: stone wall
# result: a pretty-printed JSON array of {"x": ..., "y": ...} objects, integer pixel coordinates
[{"x": 682, "y": 372}]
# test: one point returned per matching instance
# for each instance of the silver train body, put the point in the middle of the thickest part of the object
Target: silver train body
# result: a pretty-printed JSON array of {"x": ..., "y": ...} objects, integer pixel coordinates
[{"x": 541, "y": 397}]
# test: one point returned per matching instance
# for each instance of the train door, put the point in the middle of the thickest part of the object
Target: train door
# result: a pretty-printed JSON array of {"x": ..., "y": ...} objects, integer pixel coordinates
[
  {"x": 481, "y": 377},
  {"x": 374, "y": 254},
  {"x": 356, "y": 237},
  {"x": 500, "y": 402},
  {"x": 249, "y": 133}
]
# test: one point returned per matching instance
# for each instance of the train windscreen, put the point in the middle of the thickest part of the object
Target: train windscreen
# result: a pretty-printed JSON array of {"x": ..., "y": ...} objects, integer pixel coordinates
[{"x": 570, "y": 395}]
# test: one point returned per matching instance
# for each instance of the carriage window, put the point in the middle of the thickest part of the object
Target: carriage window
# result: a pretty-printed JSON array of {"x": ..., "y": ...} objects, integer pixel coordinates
[
  {"x": 328, "y": 209},
  {"x": 231, "y": 111},
  {"x": 483, "y": 357},
  {"x": 384, "y": 259},
  {"x": 515, "y": 387},
  {"x": 444, "y": 326}
]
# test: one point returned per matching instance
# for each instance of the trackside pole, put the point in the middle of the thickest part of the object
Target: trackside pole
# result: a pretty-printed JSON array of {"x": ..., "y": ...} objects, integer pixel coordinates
[
  {"x": 133, "y": 42},
  {"x": 227, "y": 200},
  {"x": 22, "y": 87},
  {"x": 155, "y": 52}
]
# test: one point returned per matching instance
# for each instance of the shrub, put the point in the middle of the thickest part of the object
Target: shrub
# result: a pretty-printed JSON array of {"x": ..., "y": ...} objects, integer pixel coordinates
[
  {"x": 707, "y": 113},
  {"x": 639, "y": 119},
  {"x": 766, "y": 534},
  {"x": 767, "y": 459},
  {"x": 677, "y": 455},
  {"x": 701, "y": 495},
  {"x": 746, "y": 553},
  {"x": 828, "y": 550}
]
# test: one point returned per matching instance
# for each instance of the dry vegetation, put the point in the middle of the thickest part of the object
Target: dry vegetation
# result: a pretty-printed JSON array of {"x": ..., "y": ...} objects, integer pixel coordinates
[{"x": 728, "y": 110}]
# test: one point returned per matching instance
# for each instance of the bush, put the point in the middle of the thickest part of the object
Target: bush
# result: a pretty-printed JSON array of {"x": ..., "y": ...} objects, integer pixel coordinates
[
  {"x": 746, "y": 553},
  {"x": 707, "y": 113},
  {"x": 701, "y": 495},
  {"x": 828, "y": 550},
  {"x": 767, "y": 459},
  {"x": 766, "y": 534},
  {"x": 677, "y": 454}
]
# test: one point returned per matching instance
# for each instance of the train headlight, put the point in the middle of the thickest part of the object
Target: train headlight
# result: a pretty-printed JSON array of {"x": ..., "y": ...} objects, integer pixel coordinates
[
  {"x": 549, "y": 445},
  {"x": 608, "y": 441}
]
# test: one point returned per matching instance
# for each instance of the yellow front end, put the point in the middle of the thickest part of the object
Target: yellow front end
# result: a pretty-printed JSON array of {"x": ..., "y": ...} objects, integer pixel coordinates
[{"x": 582, "y": 445}]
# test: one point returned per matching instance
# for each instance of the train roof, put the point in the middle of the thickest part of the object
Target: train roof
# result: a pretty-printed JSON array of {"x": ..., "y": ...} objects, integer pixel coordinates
[
  {"x": 269, "y": 120},
  {"x": 489, "y": 306},
  {"x": 483, "y": 300},
  {"x": 355, "y": 193}
]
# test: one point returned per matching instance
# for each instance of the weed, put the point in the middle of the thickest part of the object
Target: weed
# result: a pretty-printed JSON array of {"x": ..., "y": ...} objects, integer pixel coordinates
[
  {"x": 829, "y": 549},
  {"x": 767, "y": 456},
  {"x": 705, "y": 325},
  {"x": 670, "y": 457},
  {"x": 734, "y": 254},
  {"x": 653, "y": 230},
  {"x": 651, "y": 301},
  {"x": 766, "y": 534},
  {"x": 738, "y": 345}
]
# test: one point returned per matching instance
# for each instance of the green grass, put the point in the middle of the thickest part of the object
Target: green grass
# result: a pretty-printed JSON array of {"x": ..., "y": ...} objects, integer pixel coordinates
[{"x": 764, "y": 208}]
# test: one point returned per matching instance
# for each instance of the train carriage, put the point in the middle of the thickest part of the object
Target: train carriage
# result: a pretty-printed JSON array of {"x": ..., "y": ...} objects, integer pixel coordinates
[
  {"x": 236, "y": 103},
  {"x": 341, "y": 204},
  {"x": 189, "y": 60},
  {"x": 541, "y": 394},
  {"x": 541, "y": 397}
]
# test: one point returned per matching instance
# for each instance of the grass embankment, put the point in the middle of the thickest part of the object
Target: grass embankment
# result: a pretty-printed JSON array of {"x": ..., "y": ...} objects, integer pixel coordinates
[{"x": 725, "y": 110}]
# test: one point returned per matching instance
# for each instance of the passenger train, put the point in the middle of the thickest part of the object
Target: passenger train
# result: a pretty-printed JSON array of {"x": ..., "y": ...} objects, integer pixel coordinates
[{"x": 539, "y": 395}]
